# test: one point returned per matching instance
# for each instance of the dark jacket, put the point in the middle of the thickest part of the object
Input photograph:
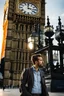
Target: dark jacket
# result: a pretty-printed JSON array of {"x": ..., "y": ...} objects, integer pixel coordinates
[{"x": 27, "y": 81}]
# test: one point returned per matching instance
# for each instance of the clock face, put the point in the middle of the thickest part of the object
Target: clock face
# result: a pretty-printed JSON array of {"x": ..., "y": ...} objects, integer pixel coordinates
[{"x": 28, "y": 8}]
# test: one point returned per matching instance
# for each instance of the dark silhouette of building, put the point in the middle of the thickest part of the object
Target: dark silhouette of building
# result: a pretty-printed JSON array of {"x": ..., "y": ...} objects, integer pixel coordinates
[{"x": 17, "y": 26}]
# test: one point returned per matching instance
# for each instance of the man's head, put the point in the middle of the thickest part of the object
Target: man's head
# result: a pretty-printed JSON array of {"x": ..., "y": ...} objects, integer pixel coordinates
[{"x": 37, "y": 60}]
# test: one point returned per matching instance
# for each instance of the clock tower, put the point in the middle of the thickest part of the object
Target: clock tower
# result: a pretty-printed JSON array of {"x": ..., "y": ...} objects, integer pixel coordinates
[{"x": 19, "y": 19}]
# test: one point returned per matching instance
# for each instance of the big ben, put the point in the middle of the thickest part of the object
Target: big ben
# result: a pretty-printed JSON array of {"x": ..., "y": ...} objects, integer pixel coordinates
[{"x": 19, "y": 19}]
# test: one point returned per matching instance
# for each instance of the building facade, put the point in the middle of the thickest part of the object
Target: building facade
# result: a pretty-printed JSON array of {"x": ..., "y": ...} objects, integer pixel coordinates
[{"x": 19, "y": 19}]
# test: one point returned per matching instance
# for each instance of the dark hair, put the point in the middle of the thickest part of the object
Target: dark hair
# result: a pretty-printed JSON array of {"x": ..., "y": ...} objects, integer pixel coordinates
[{"x": 35, "y": 57}]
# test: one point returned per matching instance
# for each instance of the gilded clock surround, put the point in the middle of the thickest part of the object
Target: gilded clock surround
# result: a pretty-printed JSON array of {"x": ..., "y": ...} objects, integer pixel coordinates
[{"x": 36, "y": 3}]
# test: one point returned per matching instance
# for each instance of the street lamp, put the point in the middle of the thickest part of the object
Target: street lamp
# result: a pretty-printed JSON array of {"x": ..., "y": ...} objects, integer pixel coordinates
[
  {"x": 35, "y": 40},
  {"x": 30, "y": 42},
  {"x": 59, "y": 34},
  {"x": 48, "y": 29}
]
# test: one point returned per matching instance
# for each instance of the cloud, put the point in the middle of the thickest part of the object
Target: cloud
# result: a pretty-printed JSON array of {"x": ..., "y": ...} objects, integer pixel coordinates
[
  {"x": 62, "y": 18},
  {"x": 62, "y": 15}
]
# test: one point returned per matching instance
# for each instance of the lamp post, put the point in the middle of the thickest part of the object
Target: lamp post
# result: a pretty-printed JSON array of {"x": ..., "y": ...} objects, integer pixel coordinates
[
  {"x": 30, "y": 42},
  {"x": 59, "y": 35},
  {"x": 49, "y": 33},
  {"x": 36, "y": 37}
]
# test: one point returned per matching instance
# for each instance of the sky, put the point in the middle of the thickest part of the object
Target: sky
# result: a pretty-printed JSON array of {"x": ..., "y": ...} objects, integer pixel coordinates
[{"x": 53, "y": 9}]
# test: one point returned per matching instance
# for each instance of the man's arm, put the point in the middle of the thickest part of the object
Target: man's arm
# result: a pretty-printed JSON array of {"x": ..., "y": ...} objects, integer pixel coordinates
[{"x": 24, "y": 81}]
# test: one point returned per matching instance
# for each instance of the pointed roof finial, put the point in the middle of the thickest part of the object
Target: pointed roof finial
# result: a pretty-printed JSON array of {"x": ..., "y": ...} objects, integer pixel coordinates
[
  {"x": 48, "y": 23},
  {"x": 59, "y": 19}
]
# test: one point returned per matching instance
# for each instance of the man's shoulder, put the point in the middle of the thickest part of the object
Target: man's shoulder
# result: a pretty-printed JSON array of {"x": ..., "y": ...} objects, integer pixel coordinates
[
  {"x": 30, "y": 68},
  {"x": 27, "y": 69}
]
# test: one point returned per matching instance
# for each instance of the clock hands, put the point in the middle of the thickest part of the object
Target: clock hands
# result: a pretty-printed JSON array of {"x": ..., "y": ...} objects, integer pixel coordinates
[
  {"x": 28, "y": 6},
  {"x": 31, "y": 8}
]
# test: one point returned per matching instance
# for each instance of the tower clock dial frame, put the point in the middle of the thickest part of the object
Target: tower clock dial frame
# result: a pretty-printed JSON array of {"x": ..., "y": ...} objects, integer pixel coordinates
[{"x": 28, "y": 8}]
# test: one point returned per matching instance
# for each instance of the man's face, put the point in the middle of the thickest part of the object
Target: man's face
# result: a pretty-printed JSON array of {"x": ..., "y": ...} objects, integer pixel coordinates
[{"x": 40, "y": 61}]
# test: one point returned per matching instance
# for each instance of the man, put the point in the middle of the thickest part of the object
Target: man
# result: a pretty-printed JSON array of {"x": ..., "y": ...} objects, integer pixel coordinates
[{"x": 32, "y": 79}]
